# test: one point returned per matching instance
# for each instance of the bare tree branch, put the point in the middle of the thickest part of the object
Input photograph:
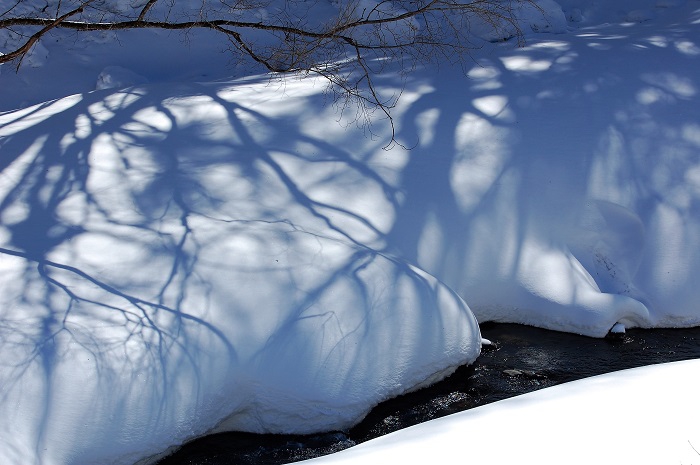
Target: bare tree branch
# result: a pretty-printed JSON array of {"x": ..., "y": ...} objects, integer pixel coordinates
[
  {"x": 340, "y": 50},
  {"x": 691, "y": 445},
  {"x": 145, "y": 9},
  {"x": 22, "y": 51}
]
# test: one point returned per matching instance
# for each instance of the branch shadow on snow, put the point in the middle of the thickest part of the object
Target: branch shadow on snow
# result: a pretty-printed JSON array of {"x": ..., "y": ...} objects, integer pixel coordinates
[
  {"x": 159, "y": 235},
  {"x": 60, "y": 310},
  {"x": 548, "y": 161},
  {"x": 159, "y": 246}
]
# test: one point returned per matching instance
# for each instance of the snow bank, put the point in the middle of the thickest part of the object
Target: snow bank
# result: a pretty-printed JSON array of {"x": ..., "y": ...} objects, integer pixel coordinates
[
  {"x": 179, "y": 258},
  {"x": 557, "y": 190},
  {"x": 147, "y": 298},
  {"x": 643, "y": 416},
  {"x": 596, "y": 12},
  {"x": 520, "y": 18}
]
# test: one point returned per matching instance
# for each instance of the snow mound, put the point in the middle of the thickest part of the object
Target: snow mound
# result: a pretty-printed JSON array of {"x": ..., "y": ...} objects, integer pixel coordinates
[
  {"x": 182, "y": 258},
  {"x": 137, "y": 313},
  {"x": 632, "y": 11},
  {"x": 115, "y": 77},
  {"x": 523, "y": 18},
  {"x": 269, "y": 329}
]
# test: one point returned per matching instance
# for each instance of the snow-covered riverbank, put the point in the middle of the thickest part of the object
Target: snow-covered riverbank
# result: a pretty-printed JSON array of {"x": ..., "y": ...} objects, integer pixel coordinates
[
  {"x": 202, "y": 252},
  {"x": 644, "y": 416},
  {"x": 522, "y": 359}
]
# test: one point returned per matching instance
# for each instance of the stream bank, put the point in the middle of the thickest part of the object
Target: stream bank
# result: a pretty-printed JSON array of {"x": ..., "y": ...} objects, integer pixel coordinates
[{"x": 522, "y": 359}]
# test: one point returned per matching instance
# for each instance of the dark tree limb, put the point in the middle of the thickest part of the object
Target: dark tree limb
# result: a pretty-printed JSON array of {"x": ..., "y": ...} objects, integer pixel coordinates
[
  {"x": 412, "y": 30},
  {"x": 22, "y": 51}
]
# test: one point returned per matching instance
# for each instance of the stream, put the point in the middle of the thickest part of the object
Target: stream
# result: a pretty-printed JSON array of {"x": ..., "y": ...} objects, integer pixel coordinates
[{"x": 521, "y": 359}]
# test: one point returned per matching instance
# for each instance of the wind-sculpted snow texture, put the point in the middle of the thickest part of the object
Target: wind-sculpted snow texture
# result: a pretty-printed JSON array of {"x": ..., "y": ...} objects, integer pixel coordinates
[{"x": 177, "y": 259}]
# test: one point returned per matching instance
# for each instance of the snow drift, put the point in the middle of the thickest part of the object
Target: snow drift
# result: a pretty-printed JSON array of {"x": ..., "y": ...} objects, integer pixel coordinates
[
  {"x": 594, "y": 420},
  {"x": 183, "y": 258},
  {"x": 153, "y": 289}
]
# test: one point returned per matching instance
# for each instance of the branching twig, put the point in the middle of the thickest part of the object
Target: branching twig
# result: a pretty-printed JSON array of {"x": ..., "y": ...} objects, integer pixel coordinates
[
  {"x": 411, "y": 31},
  {"x": 691, "y": 445},
  {"x": 22, "y": 51}
]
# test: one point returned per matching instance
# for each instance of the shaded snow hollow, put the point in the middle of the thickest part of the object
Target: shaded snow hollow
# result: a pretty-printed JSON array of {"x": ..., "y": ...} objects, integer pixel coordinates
[{"x": 179, "y": 258}]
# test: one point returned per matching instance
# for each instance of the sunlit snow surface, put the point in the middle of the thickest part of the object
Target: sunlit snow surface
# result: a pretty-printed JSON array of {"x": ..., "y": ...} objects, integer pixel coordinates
[
  {"x": 643, "y": 416},
  {"x": 179, "y": 257}
]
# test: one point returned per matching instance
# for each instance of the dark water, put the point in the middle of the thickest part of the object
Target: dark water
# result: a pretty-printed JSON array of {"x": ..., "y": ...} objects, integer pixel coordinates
[{"x": 522, "y": 359}]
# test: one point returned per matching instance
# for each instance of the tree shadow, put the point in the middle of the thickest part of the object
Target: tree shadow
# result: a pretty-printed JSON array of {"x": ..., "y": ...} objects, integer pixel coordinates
[
  {"x": 540, "y": 166},
  {"x": 176, "y": 242},
  {"x": 180, "y": 250}
]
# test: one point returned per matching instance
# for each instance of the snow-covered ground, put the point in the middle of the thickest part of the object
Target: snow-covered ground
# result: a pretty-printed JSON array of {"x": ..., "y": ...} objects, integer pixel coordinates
[
  {"x": 182, "y": 251},
  {"x": 645, "y": 416}
]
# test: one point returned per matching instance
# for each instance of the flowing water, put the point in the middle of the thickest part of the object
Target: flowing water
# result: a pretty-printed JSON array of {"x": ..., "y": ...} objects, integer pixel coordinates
[{"x": 522, "y": 359}]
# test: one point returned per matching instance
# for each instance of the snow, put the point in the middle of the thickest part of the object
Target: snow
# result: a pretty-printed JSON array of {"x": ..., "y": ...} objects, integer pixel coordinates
[
  {"x": 115, "y": 77},
  {"x": 618, "y": 328},
  {"x": 238, "y": 325},
  {"x": 527, "y": 17},
  {"x": 640, "y": 416},
  {"x": 187, "y": 248}
]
